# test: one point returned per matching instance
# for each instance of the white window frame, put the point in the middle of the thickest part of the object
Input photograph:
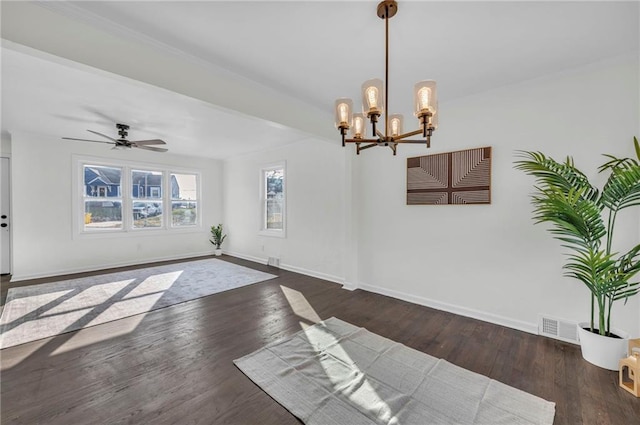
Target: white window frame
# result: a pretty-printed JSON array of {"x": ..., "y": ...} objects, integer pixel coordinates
[
  {"x": 127, "y": 229},
  {"x": 263, "y": 231}
]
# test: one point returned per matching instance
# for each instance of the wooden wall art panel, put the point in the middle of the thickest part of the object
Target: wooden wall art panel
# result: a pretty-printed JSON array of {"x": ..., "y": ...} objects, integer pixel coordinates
[{"x": 462, "y": 177}]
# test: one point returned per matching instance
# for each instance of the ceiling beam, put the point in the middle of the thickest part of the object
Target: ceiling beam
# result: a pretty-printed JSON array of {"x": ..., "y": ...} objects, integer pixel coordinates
[{"x": 40, "y": 28}]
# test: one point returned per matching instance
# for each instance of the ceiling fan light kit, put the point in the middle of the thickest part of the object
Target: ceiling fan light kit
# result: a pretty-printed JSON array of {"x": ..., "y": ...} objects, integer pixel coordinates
[
  {"x": 122, "y": 143},
  {"x": 375, "y": 98}
]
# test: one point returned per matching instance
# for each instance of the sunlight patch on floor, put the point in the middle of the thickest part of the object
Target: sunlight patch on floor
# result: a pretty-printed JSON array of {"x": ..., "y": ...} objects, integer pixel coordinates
[
  {"x": 362, "y": 394},
  {"x": 139, "y": 299},
  {"x": 29, "y": 307},
  {"x": 91, "y": 335},
  {"x": 359, "y": 391},
  {"x": 300, "y": 305},
  {"x": 153, "y": 284},
  {"x": 90, "y": 297},
  {"x": 21, "y": 353}
]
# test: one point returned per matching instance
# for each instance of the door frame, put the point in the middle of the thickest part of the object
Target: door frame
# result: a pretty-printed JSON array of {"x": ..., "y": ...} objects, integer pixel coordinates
[{"x": 7, "y": 156}]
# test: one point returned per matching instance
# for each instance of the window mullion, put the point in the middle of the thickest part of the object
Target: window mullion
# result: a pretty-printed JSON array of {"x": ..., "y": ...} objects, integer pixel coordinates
[{"x": 127, "y": 199}]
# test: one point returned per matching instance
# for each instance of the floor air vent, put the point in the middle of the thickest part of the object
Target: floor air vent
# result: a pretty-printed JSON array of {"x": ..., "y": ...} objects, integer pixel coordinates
[{"x": 563, "y": 330}]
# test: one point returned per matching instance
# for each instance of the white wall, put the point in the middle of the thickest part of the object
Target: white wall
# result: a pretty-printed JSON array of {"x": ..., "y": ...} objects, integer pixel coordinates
[
  {"x": 43, "y": 243},
  {"x": 5, "y": 144},
  {"x": 347, "y": 217},
  {"x": 490, "y": 261},
  {"x": 315, "y": 208}
]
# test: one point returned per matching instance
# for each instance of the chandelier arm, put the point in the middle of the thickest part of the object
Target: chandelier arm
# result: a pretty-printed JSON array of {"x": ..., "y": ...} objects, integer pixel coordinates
[
  {"x": 361, "y": 141},
  {"x": 380, "y": 135},
  {"x": 409, "y": 141},
  {"x": 368, "y": 146},
  {"x": 405, "y": 135}
]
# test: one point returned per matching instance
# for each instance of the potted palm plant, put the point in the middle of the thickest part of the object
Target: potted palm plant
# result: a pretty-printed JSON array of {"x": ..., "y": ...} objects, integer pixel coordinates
[
  {"x": 584, "y": 218},
  {"x": 217, "y": 238}
]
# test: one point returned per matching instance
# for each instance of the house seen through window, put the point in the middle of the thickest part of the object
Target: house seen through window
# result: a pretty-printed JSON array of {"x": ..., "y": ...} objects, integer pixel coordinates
[
  {"x": 146, "y": 194},
  {"x": 118, "y": 198},
  {"x": 102, "y": 197}
]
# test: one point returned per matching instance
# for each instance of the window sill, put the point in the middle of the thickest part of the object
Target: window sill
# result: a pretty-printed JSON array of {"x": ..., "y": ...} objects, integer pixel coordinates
[
  {"x": 273, "y": 233},
  {"x": 138, "y": 232}
]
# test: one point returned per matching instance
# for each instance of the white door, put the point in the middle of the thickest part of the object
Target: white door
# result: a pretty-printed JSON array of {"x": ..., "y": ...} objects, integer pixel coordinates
[{"x": 5, "y": 243}]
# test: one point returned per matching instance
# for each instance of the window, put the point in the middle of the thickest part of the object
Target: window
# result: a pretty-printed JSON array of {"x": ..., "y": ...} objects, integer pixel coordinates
[
  {"x": 184, "y": 199},
  {"x": 146, "y": 209},
  {"x": 124, "y": 197},
  {"x": 102, "y": 203},
  {"x": 273, "y": 200}
]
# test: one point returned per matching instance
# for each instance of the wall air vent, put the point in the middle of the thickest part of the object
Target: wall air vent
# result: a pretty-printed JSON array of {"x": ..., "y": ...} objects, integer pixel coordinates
[
  {"x": 274, "y": 261},
  {"x": 564, "y": 330}
]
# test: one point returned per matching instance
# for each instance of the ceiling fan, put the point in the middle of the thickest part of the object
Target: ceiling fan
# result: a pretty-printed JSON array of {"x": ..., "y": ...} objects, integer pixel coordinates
[{"x": 123, "y": 143}]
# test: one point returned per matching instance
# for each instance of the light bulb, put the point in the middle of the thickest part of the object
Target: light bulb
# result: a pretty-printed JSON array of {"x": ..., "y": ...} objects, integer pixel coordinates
[
  {"x": 372, "y": 97},
  {"x": 395, "y": 127},
  {"x": 358, "y": 126},
  {"x": 343, "y": 110},
  {"x": 424, "y": 95}
]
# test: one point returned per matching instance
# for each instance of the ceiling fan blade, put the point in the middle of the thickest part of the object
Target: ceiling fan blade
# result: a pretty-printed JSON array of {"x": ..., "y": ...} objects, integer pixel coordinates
[
  {"x": 87, "y": 140},
  {"x": 151, "y": 148},
  {"x": 149, "y": 142},
  {"x": 103, "y": 135}
]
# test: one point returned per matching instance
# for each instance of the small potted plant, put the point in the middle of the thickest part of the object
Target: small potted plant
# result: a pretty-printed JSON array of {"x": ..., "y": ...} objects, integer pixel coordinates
[
  {"x": 217, "y": 238},
  {"x": 576, "y": 210}
]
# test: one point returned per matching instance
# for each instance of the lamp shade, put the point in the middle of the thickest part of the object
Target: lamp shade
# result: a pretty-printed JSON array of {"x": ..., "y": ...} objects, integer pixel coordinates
[
  {"x": 344, "y": 112},
  {"x": 373, "y": 97},
  {"x": 434, "y": 118},
  {"x": 395, "y": 125},
  {"x": 425, "y": 97},
  {"x": 358, "y": 129}
]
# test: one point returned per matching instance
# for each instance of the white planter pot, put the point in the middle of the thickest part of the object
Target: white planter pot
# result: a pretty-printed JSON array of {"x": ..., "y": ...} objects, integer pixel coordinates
[
  {"x": 603, "y": 351},
  {"x": 218, "y": 252}
]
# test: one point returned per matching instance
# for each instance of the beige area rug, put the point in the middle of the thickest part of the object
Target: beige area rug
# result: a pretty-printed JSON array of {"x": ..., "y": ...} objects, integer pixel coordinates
[
  {"x": 40, "y": 311},
  {"x": 337, "y": 373}
]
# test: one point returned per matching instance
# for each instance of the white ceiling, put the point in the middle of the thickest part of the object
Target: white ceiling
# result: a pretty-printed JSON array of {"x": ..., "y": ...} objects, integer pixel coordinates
[
  {"x": 61, "y": 98},
  {"x": 312, "y": 52}
]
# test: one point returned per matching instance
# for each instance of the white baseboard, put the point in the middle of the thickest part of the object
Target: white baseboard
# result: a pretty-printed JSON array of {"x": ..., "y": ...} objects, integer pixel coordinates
[
  {"x": 438, "y": 305},
  {"x": 289, "y": 267},
  {"x": 319, "y": 275},
  {"x": 246, "y": 257},
  {"x": 456, "y": 309},
  {"x": 96, "y": 267},
  {"x": 349, "y": 286},
  {"x": 531, "y": 328}
]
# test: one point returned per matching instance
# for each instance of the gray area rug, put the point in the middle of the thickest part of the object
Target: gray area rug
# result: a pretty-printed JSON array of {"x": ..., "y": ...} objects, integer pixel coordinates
[
  {"x": 40, "y": 311},
  {"x": 337, "y": 373}
]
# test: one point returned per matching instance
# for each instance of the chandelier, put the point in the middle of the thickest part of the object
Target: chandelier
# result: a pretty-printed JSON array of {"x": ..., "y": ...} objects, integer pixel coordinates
[{"x": 375, "y": 98}]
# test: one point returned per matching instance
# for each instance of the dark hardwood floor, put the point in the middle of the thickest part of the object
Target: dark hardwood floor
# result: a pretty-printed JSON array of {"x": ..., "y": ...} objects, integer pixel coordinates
[{"x": 174, "y": 365}]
